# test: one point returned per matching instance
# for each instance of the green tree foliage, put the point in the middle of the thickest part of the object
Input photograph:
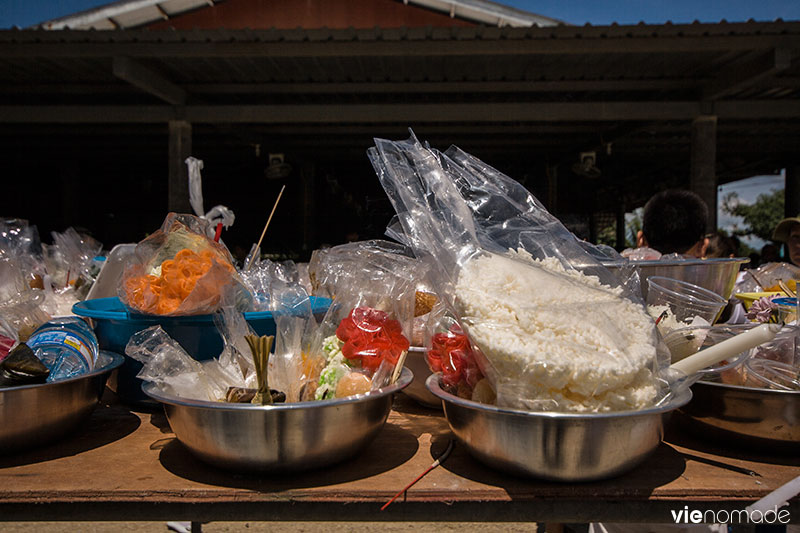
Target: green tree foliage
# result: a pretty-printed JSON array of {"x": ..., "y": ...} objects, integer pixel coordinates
[
  {"x": 608, "y": 235},
  {"x": 761, "y": 217}
]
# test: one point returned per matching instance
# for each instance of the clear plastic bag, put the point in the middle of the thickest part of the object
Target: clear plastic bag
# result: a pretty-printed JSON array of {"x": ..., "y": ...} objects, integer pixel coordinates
[
  {"x": 294, "y": 366},
  {"x": 166, "y": 363},
  {"x": 259, "y": 278},
  {"x": 77, "y": 252},
  {"x": 219, "y": 214},
  {"x": 20, "y": 305},
  {"x": 8, "y": 337},
  {"x": 178, "y": 271},
  {"x": 552, "y": 328},
  {"x": 766, "y": 277},
  {"x": 365, "y": 334},
  {"x": 773, "y": 365},
  {"x": 19, "y": 241},
  {"x": 235, "y": 360}
]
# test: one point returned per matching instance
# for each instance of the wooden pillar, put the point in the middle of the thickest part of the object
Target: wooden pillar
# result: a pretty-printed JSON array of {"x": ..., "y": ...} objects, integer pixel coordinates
[
  {"x": 180, "y": 147},
  {"x": 703, "y": 175},
  {"x": 792, "y": 190}
]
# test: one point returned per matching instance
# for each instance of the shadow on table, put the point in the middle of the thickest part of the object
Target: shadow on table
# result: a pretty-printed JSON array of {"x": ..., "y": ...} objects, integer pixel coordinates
[
  {"x": 682, "y": 432},
  {"x": 392, "y": 447},
  {"x": 663, "y": 466},
  {"x": 104, "y": 426}
]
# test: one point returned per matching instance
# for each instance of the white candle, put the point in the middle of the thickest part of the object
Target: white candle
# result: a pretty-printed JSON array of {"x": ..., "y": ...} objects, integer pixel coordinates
[{"x": 728, "y": 348}]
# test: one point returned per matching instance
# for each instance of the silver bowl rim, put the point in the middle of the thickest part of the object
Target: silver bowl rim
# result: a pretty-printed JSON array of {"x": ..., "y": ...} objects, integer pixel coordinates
[
  {"x": 113, "y": 362},
  {"x": 432, "y": 383},
  {"x": 155, "y": 392},
  {"x": 687, "y": 262},
  {"x": 742, "y": 388}
]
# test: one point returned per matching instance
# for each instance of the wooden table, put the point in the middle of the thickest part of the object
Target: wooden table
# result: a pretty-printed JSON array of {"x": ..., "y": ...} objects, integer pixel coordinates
[{"x": 126, "y": 463}]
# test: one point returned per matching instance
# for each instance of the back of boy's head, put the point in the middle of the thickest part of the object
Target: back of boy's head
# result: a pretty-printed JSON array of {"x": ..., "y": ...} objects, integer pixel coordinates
[{"x": 674, "y": 221}]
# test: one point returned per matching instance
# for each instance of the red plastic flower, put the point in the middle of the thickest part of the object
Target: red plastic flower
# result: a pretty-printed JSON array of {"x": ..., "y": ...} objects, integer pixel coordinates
[
  {"x": 371, "y": 337},
  {"x": 452, "y": 355}
]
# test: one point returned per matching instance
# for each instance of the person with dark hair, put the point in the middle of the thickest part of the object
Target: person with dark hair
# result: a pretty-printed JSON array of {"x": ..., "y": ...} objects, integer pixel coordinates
[
  {"x": 674, "y": 222},
  {"x": 721, "y": 245},
  {"x": 788, "y": 231},
  {"x": 770, "y": 253}
]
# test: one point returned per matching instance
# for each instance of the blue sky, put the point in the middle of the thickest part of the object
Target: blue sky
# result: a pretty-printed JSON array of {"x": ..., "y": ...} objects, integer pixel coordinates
[{"x": 24, "y": 13}]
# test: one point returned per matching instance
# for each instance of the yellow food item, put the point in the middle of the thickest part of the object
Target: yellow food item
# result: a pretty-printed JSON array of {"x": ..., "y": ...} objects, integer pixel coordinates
[
  {"x": 352, "y": 384},
  {"x": 792, "y": 284},
  {"x": 423, "y": 303}
]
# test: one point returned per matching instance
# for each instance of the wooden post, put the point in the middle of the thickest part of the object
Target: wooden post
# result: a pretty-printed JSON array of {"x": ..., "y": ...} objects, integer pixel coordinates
[
  {"x": 792, "y": 190},
  {"x": 180, "y": 147},
  {"x": 703, "y": 176}
]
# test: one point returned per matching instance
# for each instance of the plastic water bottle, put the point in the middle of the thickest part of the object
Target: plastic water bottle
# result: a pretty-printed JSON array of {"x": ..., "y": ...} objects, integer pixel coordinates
[{"x": 67, "y": 346}]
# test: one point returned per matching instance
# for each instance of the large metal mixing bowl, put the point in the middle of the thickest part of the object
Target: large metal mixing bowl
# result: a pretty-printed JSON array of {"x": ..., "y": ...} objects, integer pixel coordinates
[
  {"x": 31, "y": 415},
  {"x": 556, "y": 446},
  {"x": 293, "y": 436},
  {"x": 716, "y": 275},
  {"x": 761, "y": 419}
]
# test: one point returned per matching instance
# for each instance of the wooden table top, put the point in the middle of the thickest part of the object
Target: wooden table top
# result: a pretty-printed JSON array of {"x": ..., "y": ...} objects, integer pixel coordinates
[{"x": 124, "y": 461}]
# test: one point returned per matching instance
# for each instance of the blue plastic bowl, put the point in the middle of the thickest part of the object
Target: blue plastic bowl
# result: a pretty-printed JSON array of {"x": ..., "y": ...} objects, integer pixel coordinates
[
  {"x": 786, "y": 301},
  {"x": 198, "y": 335}
]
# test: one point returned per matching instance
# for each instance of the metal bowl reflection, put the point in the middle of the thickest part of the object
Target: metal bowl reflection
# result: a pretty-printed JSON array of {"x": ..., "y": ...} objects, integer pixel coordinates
[
  {"x": 415, "y": 361},
  {"x": 717, "y": 275},
  {"x": 761, "y": 419},
  {"x": 556, "y": 446},
  {"x": 293, "y": 436},
  {"x": 31, "y": 415}
]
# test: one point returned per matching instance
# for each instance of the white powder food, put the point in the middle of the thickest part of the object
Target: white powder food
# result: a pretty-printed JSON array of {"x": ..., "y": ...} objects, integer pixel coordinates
[
  {"x": 669, "y": 322},
  {"x": 556, "y": 340}
]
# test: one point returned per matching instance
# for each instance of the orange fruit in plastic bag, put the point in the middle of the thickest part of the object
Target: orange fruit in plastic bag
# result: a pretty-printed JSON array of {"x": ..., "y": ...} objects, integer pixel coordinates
[{"x": 165, "y": 293}]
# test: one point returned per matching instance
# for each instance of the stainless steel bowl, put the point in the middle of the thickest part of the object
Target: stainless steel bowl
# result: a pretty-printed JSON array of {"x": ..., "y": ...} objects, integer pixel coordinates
[
  {"x": 415, "y": 361},
  {"x": 717, "y": 275},
  {"x": 31, "y": 415},
  {"x": 744, "y": 416},
  {"x": 556, "y": 446},
  {"x": 293, "y": 436}
]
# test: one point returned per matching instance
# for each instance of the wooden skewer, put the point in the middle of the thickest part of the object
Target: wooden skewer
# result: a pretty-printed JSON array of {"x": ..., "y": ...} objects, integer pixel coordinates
[
  {"x": 258, "y": 244},
  {"x": 270, "y": 216},
  {"x": 789, "y": 292}
]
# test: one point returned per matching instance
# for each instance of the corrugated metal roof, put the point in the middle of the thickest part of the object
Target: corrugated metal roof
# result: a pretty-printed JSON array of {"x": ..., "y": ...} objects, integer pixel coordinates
[
  {"x": 123, "y": 14},
  {"x": 639, "y": 32},
  {"x": 128, "y": 14},
  {"x": 559, "y": 64},
  {"x": 524, "y": 93}
]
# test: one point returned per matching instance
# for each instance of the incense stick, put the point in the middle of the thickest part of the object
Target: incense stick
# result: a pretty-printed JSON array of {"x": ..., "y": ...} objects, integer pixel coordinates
[{"x": 439, "y": 460}]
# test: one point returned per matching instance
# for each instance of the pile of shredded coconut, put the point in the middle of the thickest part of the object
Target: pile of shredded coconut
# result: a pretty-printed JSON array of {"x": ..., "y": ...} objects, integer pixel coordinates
[
  {"x": 668, "y": 321},
  {"x": 556, "y": 340}
]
